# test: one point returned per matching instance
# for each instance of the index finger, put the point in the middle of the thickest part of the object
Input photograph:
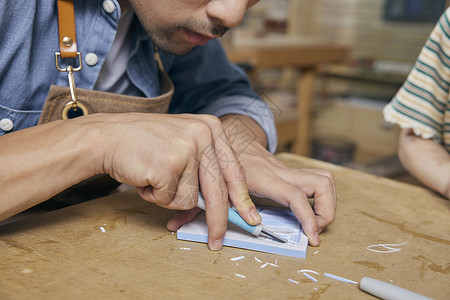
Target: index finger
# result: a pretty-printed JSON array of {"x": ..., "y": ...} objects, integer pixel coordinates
[
  {"x": 215, "y": 194},
  {"x": 233, "y": 173}
]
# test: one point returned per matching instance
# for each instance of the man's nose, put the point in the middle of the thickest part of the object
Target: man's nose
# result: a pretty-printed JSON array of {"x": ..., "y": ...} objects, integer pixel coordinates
[{"x": 229, "y": 12}]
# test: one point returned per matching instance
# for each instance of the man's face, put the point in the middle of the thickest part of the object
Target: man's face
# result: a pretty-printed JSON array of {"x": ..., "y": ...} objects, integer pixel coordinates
[{"x": 177, "y": 26}]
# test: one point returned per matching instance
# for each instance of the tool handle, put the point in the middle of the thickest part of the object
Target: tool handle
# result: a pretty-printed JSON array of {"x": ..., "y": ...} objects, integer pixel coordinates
[
  {"x": 386, "y": 290},
  {"x": 233, "y": 217},
  {"x": 236, "y": 219}
]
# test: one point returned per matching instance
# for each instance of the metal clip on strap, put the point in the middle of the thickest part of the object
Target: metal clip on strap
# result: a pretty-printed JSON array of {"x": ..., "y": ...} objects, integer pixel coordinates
[{"x": 68, "y": 49}]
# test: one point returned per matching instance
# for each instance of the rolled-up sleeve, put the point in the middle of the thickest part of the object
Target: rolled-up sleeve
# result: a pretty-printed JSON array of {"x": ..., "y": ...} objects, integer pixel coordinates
[{"x": 207, "y": 83}]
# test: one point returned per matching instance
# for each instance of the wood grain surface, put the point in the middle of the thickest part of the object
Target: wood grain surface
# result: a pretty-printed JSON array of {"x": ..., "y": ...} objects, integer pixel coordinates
[{"x": 118, "y": 247}]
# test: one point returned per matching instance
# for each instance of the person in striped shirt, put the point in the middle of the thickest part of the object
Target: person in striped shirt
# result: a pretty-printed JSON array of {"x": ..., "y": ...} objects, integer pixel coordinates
[{"x": 422, "y": 109}]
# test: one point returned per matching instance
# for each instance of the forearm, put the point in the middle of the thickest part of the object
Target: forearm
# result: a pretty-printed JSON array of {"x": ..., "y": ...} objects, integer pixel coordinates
[
  {"x": 426, "y": 160},
  {"x": 39, "y": 162},
  {"x": 256, "y": 110},
  {"x": 243, "y": 131}
]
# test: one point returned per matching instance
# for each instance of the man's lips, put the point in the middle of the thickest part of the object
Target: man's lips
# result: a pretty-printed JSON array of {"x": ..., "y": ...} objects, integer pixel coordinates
[{"x": 196, "y": 38}]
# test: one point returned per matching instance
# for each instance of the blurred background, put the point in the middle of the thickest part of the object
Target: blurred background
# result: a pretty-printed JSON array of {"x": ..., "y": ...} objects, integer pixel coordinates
[{"x": 327, "y": 68}]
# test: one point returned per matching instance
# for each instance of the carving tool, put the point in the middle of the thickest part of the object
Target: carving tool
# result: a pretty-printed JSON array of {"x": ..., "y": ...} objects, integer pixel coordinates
[
  {"x": 384, "y": 290},
  {"x": 236, "y": 219}
]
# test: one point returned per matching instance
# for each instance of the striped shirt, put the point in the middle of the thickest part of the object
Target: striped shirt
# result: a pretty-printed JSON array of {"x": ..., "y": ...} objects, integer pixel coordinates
[{"x": 423, "y": 102}]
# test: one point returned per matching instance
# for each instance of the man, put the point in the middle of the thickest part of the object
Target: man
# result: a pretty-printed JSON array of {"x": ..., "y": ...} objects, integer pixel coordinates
[{"x": 216, "y": 136}]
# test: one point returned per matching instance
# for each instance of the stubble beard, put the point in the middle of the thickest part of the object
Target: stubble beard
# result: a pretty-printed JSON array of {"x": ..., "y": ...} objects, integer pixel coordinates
[
  {"x": 165, "y": 39},
  {"x": 169, "y": 38}
]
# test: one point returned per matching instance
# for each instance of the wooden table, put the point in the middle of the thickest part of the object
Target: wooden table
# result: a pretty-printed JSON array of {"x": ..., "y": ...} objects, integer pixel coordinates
[
  {"x": 65, "y": 255},
  {"x": 306, "y": 55}
]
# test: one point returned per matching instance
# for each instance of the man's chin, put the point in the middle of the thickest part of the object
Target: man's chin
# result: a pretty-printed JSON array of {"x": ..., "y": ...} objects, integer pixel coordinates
[{"x": 175, "y": 49}]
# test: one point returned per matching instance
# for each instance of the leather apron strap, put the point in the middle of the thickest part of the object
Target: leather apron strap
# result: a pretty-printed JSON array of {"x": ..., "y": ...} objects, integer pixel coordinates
[
  {"x": 68, "y": 49},
  {"x": 67, "y": 32}
]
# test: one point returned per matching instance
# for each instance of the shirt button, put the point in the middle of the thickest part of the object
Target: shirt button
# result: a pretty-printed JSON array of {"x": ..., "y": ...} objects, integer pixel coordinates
[
  {"x": 91, "y": 59},
  {"x": 6, "y": 124},
  {"x": 109, "y": 6}
]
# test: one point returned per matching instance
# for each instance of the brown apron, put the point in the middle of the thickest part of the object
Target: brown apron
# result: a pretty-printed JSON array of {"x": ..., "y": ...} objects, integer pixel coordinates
[
  {"x": 100, "y": 102},
  {"x": 103, "y": 102}
]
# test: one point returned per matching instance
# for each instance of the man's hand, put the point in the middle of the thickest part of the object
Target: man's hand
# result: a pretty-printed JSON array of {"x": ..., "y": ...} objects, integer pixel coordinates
[
  {"x": 268, "y": 177},
  {"x": 167, "y": 158}
]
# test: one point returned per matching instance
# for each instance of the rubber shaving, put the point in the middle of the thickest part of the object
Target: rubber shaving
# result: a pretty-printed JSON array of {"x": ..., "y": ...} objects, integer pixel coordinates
[
  {"x": 264, "y": 265},
  {"x": 258, "y": 260},
  {"x": 237, "y": 258},
  {"x": 309, "y": 277},
  {"x": 339, "y": 278},
  {"x": 293, "y": 281},
  {"x": 388, "y": 248},
  {"x": 273, "y": 265},
  {"x": 239, "y": 275},
  {"x": 306, "y": 271}
]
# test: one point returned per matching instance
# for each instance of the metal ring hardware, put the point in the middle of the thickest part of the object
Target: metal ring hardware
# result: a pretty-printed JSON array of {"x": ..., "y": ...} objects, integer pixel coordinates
[
  {"x": 77, "y": 110},
  {"x": 58, "y": 55}
]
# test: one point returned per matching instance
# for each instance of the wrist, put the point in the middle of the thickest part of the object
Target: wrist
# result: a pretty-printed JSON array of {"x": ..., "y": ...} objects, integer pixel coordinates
[
  {"x": 93, "y": 142},
  {"x": 243, "y": 132}
]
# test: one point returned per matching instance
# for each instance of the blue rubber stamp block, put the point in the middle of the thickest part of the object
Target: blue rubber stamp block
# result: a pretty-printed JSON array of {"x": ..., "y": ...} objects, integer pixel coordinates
[{"x": 280, "y": 221}]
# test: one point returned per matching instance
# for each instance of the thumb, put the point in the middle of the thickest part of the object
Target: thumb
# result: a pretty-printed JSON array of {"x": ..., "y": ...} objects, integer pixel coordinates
[{"x": 181, "y": 218}]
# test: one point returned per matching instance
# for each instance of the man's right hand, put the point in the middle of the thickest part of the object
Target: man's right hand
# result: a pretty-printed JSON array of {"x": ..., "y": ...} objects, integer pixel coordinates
[{"x": 167, "y": 157}]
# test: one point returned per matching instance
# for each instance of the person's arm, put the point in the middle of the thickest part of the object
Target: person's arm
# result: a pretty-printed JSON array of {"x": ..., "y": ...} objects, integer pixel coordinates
[
  {"x": 426, "y": 160},
  {"x": 167, "y": 158},
  {"x": 39, "y": 162}
]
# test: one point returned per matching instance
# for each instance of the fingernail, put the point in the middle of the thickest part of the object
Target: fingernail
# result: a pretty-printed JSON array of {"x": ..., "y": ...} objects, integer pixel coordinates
[
  {"x": 255, "y": 217},
  {"x": 316, "y": 239},
  {"x": 216, "y": 245}
]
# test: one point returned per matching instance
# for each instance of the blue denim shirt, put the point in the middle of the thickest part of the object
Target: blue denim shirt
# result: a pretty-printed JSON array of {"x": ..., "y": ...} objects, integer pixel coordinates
[{"x": 205, "y": 81}]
